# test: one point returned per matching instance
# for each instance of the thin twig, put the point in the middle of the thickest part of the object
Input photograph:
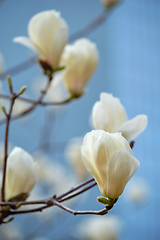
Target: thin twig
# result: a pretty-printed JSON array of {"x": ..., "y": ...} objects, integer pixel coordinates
[
  {"x": 8, "y": 117},
  {"x": 75, "y": 188},
  {"x": 78, "y": 193},
  {"x": 46, "y": 200},
  {"x": 35, "y": 103},
  {"x": 40, "y": 102},
  {"x": 58, "y": 204},
  {"x": 100, "y": 212}
]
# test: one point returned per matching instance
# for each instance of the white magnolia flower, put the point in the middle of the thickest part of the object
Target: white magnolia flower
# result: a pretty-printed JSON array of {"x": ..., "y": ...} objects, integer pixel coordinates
[
  {"x": 109, "y": 159},
  {"x": 20, "y": 174},
  {"x": 109, "y": 115},
  {"x": 107, "y": 228},
  {"x": 48, "y": 34},
  {"x": 80, "y": 61},
  {"x": 73, "y": 154}
]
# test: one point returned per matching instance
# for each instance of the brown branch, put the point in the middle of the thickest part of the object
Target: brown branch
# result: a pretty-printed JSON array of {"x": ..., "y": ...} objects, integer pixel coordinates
[
  {"x": 40, "y": 102},
  {"x": 35, "y": 103},
  {"x": 58, "y": 204},
  {"x": 8, "y": 117},
  {"x": 78, "y": 193},
  {"x": 100, "y": 212},
  {"x": 53, "y": 201},
  {"x": 75, "y": 188},
  {"x": 14, "y": 204}
]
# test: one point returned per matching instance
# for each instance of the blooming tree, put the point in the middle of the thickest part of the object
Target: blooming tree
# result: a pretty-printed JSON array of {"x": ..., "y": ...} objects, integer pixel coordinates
[{"x": 105, "y": 151}]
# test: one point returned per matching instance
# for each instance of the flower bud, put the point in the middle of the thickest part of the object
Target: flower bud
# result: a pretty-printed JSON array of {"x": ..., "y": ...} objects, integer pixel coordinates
[
  {"x": 20, "y": 174},
  {"x": 110, "y": 3},
  {"x": 48, "y": 34},
  {"x": 109, "y": 115},
  {"x": 80, "y": 61},
  {"x": 109, "y": 159}
]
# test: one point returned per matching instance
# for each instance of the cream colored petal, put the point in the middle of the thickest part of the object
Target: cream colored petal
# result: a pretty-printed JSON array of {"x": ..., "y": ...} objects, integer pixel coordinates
[
  {"x": 121, "y": 167},
  {"x": 100, "y": 117},
  {"x": 132, "y": 128},
  {"x": 92, "y": 170},
  {"x": 25, "y": 41},
  {"x": 114, "y": 142},
  {"x": 80, "y": 60},
  {"x": 59, "y": 41},
  {"x": 43, "y": 28},
  {"x": 20, "y": 175},
  {"x": 113, "y": 109}
]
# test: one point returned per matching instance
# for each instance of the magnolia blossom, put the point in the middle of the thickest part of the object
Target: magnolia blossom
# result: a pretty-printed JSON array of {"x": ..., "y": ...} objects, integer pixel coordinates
[
  {"x": 107, "y": 228},
  {"x": 109, "y": 115},
  {"x": 80, "y": 61},
  {"x": 48, "y": 34},
  {"x": 20, "y": 174},
  {"x": 109, "y": 159}
]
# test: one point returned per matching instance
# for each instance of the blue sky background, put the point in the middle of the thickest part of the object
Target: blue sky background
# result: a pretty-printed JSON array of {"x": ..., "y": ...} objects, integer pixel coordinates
[{"x": 129, "y": 68}]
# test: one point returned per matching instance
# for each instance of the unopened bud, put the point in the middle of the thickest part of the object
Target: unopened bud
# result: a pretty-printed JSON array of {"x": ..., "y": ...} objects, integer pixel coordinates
[
  {"x": 21, "y": 91},
  {"x": 4, "y": 110},
  {"x": 9, "y": 81}
]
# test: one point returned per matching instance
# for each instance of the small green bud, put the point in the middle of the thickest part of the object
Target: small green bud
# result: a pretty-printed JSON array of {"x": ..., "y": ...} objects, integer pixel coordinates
[
  {"x": 106, "y": 200},
  {"x": 21, "y": 91},
  {"x": 103, "y": 200},
  {"x": 59, "y": 69},
  {"x": 4, "y": 110},
  {"x": 9, "y": 81}
]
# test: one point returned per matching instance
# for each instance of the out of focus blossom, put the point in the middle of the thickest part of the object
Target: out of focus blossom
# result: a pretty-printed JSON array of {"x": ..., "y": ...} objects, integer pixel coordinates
[
  {"x": 80, "y": 61},
  {"x": 138, "y": 191},
  {"x": 109, "y": 159},
  {"x": 11, "y": 231},
  {"x": 52, "y": 174},
  {"x": 109, "y": 115},
  {"x": 73, "y": 154},
  {"x": 56, "y": 93},
  {"x": 48, "y": 34},
  {"x": 20, "y": 174},
  {"x": 108, "y": 227}
]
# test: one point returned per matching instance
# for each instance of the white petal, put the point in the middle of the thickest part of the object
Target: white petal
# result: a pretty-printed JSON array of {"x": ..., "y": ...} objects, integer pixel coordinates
[
  {"x": 132, "y": 128},
  {"x": 121, "y": 167},
  {"x": 25, "y": 41},
  {"x": 59, "y": 41},
  {"x": 115, "y": 110},
  {"x": 100, "y": 117},
  {"x": 20, "y": 175},
  {"x": 42, "y": 29}
]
